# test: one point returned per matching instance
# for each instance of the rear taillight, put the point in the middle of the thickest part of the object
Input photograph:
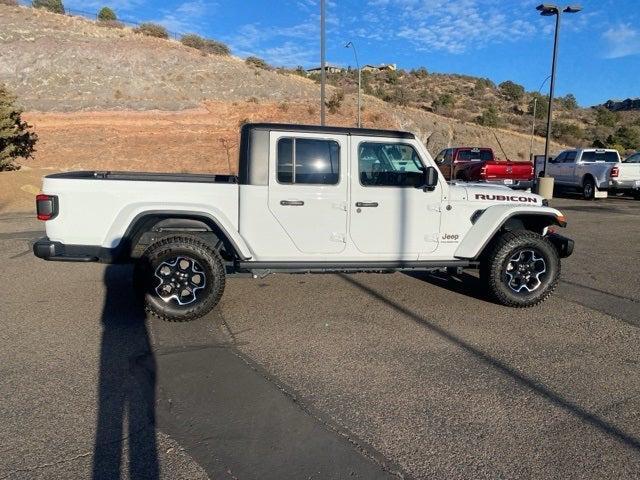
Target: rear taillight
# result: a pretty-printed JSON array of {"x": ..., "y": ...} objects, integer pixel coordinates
[
  {"x": 483, "y": 171},
  {"x": 615, "y": 171},
  {"x": 46, "y": 206}
]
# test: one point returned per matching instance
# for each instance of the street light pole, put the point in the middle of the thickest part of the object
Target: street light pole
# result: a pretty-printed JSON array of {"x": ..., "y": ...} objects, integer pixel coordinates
[
  {"x": 355, "y": 53},
  {"x": 551, "y": 90},
  {"x": 548, "y": 10},
  {"x": 323, "y": 73}
]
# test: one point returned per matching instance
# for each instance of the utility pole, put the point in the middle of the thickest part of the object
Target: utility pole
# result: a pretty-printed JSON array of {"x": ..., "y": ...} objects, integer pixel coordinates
[
  {"x": 535, "y": 111},
  {"x": 350, "y": 44},
  {"x": 323, "y": 73}
]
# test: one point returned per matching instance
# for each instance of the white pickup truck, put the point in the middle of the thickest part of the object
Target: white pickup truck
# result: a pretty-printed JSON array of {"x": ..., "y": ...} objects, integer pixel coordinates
[
  {"x": 306, "y": 199},
  {"x": 595, "y": 172}
]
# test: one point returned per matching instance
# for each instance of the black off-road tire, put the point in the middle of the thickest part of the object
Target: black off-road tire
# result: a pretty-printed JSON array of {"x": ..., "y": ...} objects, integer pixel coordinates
[
  {"x": 493, "y": 268},
  {"x": 588, "y": 189},
  {"x": 208, "y": 262}
]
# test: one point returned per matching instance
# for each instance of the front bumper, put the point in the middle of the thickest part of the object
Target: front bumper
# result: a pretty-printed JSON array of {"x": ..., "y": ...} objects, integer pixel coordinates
[
  {"x": 57, "y": 251},
  {"x": 563, "y": 245}
]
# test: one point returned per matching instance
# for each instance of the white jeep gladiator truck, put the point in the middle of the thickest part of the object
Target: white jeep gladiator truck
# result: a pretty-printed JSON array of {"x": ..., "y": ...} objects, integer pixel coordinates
[{"x": 306, "y": 199}]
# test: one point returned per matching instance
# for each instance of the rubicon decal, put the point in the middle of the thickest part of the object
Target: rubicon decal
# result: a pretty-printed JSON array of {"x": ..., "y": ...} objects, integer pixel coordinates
[{"x": 506, "y": 198}]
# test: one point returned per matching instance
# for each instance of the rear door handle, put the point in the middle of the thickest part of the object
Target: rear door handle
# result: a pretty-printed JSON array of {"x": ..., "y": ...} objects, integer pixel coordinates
[
  {"x": 292, "y": 203},
  {"x": 366, "y": 204}
]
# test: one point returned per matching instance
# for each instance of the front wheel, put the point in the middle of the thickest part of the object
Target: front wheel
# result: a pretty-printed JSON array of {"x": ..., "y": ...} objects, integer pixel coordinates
[
  {"x": 181, "y": 277},
  {"x": 521, "y": 269}
]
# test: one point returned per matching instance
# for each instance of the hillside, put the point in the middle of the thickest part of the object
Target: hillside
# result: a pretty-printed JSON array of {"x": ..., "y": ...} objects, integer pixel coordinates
[
  {"x": 112, "y": 99},
  {"x": 508, "y": 105}
]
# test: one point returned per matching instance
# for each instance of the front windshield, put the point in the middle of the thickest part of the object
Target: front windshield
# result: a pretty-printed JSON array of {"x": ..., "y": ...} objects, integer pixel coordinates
[{"x": 633, "y": 159}]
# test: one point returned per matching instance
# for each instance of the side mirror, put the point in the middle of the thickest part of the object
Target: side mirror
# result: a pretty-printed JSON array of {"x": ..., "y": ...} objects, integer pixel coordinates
[{"x": 430, "y": 178}]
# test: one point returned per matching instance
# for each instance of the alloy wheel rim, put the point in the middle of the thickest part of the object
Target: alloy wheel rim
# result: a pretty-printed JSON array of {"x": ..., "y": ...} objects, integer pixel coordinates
[
  {"x": 523, "y": 271},
  {"x": 180, "y": 279}
]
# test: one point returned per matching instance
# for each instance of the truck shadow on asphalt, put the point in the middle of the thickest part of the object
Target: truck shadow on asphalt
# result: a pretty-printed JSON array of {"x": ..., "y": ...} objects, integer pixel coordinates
[
  {"x": 503, "y": 368},
  {"x": 462, "y": 283},
  {"x": 126, "y": 421}
]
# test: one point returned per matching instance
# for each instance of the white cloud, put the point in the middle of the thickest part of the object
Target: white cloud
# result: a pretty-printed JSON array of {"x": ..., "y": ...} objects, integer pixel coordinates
[
  {"x": 189, "y": 16},
  {"x": 622, "y": 41},
  {"x": 454, "y": 26}
]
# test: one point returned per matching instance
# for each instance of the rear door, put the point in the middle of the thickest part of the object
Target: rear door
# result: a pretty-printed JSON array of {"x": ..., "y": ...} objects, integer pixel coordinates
[
  {"x": 308, "y": 186},
  {"x": 566, "y": 167},
  {"x": 390, "y": 214}
]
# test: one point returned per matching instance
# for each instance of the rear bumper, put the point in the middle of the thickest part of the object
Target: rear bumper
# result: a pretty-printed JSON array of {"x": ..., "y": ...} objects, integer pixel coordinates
[
  {"x": 621, "y": 185},
  {"x": 563, "y": 244},
  {"x": 57, "y": 251}
]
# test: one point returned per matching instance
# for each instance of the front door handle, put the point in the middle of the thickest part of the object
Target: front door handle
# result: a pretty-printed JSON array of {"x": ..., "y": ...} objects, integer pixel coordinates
[
  {"x": 292, "y": 203},
  {"x": 366, "y": 204}
]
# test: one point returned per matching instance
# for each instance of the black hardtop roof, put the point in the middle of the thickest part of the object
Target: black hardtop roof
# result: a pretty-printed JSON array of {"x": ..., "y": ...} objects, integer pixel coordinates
[{"x": 291, "y": 127}]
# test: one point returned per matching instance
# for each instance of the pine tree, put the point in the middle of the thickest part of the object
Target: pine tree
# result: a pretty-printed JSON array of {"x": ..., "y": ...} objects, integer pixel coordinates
[{"x": 16, "y": 138}]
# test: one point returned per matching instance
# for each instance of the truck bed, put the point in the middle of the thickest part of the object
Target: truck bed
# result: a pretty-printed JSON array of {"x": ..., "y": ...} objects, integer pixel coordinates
[{"x": 146, "y": 176}]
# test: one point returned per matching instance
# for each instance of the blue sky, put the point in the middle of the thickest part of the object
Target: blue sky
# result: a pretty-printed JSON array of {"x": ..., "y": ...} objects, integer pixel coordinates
[{"x": 599, "y": 55}]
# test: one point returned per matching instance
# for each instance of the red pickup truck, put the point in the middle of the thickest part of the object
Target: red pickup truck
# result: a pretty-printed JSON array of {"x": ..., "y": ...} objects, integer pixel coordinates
[{"x": 476, "y": 164}]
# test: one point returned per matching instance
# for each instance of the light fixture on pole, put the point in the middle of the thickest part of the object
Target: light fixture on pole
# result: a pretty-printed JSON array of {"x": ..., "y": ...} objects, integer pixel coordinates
[
  {"x": 355, "y": 53},
  {"x": 323, "y": 72},
  {"x": 548, "y": 10}
]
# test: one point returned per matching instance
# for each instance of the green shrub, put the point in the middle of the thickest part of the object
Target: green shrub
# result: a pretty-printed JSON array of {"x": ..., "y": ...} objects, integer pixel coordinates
[
  {"x": 152, "y": 30},
  {"x": 54, "y": 6},
  {"x": 257, "y": 62},
  {"x": 107, "y": 15},
  {"x": 606, "y": 117},
  {"x": 205, "y": 45},
  {"x": 443, "y": 102},
  {"x": 16, "y": 140},
  {"x": 489, "y": 117},
  {"x": 568, "y": 133},
  {"x": 334, "y": 103},
  {"x": 628, "y": 137},
  {"x": 569, "y": 101},
  {"x": 420, "y": 72},
  {"x": 10, "y": 3},
  {"x": 511, "y": 90}
]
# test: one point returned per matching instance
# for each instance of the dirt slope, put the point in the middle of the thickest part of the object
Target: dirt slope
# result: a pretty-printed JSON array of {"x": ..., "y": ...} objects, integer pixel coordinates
[{"x": 110, "y": 99}]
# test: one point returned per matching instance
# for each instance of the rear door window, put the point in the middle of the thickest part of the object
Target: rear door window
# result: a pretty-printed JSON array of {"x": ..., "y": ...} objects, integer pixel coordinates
[
  {"x": 308, "y": 161},
  {"x": 475, "y": 154}
]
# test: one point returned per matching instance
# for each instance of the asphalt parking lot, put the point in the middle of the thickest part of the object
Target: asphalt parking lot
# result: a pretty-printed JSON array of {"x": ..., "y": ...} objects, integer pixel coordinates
[{"x": 325, "y": 376}]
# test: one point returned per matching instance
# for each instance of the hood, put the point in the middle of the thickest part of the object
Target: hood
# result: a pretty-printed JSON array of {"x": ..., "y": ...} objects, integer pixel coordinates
[{"x": 492, "y": 194}]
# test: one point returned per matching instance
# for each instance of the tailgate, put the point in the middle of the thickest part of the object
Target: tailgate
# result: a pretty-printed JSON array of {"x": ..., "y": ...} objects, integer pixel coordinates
[
  {"x": 629, "y": 171},
  {"x": 512, "y": 170}
]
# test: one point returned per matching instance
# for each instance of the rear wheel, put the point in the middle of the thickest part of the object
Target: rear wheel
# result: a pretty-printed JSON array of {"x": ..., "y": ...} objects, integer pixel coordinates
[
  {"x": 181, "y": 277},
  {"x": 589, "y": 189},
  {"x": 521, "y": 269}
]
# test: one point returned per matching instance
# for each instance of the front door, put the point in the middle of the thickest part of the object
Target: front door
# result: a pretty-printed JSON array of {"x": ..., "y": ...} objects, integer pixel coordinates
[
  {"x": 308, "y": 186},
  {"x": 390, "y": 214}
]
